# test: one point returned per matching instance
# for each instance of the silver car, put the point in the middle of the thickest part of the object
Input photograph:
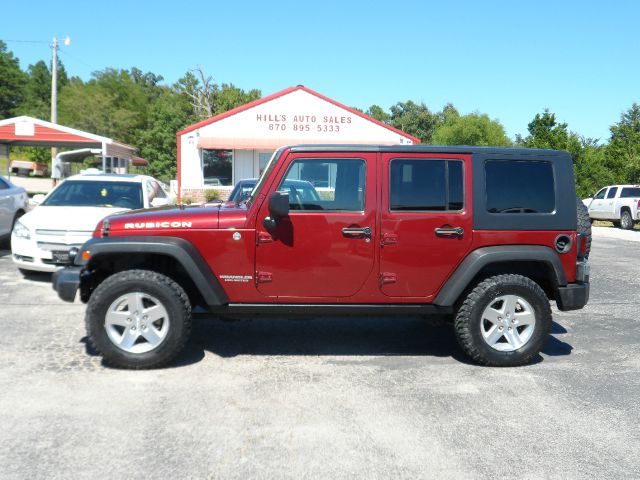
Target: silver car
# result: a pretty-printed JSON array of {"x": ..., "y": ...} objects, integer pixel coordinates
[{"x": 13, "y": 204}]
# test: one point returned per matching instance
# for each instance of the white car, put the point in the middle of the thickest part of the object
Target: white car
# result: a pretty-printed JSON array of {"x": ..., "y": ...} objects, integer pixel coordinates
[
  {"x": 13, "y": 204},
  {"x": 68, "y": 215}
]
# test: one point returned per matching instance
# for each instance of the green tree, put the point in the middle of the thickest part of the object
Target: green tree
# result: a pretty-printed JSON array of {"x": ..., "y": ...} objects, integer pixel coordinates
[
  {"x": 473, "y": 129},
  {"x": 207, "y": 98},
  {"x": 228, "y": 97},
  {"x": 114, "y": 103},
  {"x": 415, "y": 119},
  {"x": 546, "y": 132},
  {"x": 591, "y": 169},
  {"x": 377, "y": 112},
  {"x": 171, "y": 113},
  {"x": 623, "y": 151},
  {"x": 12, "y": 81},
  {"x": 37, "y": 90}
]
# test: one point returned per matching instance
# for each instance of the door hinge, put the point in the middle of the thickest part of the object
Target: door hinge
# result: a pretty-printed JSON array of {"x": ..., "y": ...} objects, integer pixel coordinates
[
  {"x": 389, "y": 239},
  {"x": 263, "y": 277},
  {"x": 264, "y": 237},
  {"x": 388, "y": 277}
]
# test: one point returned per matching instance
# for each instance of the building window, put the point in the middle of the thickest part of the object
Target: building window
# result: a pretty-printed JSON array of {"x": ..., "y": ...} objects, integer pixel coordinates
[{"x": 217, "y": 167}]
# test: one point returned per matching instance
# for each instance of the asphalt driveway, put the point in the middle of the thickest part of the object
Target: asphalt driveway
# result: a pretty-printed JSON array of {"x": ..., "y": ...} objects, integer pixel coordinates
[{"x": 323, "y": 398}]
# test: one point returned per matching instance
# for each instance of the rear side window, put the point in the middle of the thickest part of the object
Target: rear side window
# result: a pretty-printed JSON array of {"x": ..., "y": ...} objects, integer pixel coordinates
[
  {"x": 519, "y": 186},
  {"x": 612, "y": 192},
  {"x": 630, "y": 192},
  {"x": 426, "y": 185}
]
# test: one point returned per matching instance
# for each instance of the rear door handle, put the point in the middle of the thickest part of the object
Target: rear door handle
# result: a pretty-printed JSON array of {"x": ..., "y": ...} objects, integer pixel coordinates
[
  {"x": 450, "y": 232},
  {"x": 357, "y": 232}
]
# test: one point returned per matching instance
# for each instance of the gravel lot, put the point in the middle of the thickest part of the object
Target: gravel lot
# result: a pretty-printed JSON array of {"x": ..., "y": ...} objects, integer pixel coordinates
[{"x": 323, "y": 398}]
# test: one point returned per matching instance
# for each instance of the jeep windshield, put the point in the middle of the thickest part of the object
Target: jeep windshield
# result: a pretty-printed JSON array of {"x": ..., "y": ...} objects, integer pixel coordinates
[{"x": 83, "y": 193}]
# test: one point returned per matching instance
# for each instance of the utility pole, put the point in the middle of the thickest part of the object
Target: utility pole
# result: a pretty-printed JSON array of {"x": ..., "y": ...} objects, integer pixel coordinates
[
  {"x": 54, "y": 82},
  {"x": 54, "y": 98}
]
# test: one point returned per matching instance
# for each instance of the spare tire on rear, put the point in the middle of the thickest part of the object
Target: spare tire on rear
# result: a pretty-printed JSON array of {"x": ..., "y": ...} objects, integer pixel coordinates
[{"x": 584, "y": 224}]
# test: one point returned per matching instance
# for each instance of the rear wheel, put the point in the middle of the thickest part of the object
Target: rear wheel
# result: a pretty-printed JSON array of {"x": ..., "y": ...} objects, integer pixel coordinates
[
  {"x": 504, "y": 321},
  {"x": 626, "y": 222},
  {"x": 138, "y": 319}
]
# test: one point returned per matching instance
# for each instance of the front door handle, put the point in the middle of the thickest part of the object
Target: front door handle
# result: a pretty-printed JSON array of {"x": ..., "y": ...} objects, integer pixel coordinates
[
  {"x": 357, "y": 232},
  {"x": 450, "y": 232}
]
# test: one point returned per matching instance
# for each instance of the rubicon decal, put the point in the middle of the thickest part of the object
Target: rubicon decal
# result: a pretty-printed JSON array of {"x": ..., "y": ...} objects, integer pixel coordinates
[{"x": 141, "y": 225}]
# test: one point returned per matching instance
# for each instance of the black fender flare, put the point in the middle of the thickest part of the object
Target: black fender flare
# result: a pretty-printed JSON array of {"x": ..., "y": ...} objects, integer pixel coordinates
[
  {"x": 183, "y": 251},
  {"x": 480, "y": 258}
]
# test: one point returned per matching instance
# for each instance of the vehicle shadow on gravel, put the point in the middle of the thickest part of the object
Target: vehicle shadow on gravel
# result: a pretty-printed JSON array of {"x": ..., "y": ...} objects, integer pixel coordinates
[
  {"x": 357, "y": 336},
  {"x": 40, "y": 277}
]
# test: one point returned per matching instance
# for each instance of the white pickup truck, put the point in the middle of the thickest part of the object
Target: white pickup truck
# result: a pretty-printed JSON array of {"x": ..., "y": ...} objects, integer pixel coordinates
[{"x": 617, "y": 203}]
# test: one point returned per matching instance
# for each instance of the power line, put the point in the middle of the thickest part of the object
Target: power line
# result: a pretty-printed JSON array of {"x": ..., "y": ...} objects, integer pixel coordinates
[
  {"x": 67, "y": 54},
  {"x": 27, "y": 41}
]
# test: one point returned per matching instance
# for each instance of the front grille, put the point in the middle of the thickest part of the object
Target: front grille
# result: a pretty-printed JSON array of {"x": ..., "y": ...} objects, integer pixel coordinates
[
  {"x": 62, "y": 233},
  {"x": 58, "y": 246}
]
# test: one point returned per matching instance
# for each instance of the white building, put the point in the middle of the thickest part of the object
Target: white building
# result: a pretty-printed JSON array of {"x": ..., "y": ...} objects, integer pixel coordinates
[{"x": 219, "y": 151}]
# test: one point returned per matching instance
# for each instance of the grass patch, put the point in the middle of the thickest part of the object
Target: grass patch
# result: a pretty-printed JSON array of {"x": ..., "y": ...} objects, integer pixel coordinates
[{"x": 605, "y": 223}]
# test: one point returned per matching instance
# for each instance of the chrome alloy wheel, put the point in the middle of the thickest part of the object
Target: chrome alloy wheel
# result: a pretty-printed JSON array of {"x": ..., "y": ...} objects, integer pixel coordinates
[
  {"x": 508, "y": 323},
  {"x": 137, "y": 322}
]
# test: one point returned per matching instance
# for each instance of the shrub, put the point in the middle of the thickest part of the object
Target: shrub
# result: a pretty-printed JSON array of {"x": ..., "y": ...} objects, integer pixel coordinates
[{"x": 211, "y": 195}]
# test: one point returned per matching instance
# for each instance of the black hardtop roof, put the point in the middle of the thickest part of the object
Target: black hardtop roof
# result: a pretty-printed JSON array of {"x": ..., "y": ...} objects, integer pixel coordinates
[{"x": 429, "y": 149}]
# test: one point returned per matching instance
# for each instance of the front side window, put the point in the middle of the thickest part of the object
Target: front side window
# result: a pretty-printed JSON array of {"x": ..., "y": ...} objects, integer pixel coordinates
[
  {"x": 336, "y": 185},
  {"x": 515, "y": 186},
  {"x": 426, "y": 185},
  {"x": 600, "y": 194},
  {"x": 612, "y": 192},
  {"x": 217, "y": 167}
]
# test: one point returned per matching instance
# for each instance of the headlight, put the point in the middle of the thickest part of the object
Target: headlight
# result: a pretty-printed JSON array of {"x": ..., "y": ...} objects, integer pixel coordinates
[{"x": 20, "y": 231}]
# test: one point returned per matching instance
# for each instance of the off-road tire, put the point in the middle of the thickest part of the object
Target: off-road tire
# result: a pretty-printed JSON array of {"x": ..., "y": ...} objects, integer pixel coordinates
[
  {"x": 626, "y": 221},
  {"x": 468, "y": 320},
  {"x": 173, "y": 299},
  {"x": 584, "y": 224}
]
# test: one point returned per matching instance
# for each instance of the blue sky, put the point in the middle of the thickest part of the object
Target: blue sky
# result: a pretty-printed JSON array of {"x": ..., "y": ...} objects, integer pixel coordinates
[{"x": 508, "y": 59}]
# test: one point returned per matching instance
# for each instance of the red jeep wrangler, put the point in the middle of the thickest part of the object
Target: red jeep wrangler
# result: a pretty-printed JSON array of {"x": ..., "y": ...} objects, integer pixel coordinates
[{"x": 483, "y": 236}]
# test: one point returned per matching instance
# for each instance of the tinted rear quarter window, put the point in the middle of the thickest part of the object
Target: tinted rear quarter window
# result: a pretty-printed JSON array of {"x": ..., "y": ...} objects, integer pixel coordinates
[
  {"x": 630, "y": 192},
  {"x": 519, "y": 186}
]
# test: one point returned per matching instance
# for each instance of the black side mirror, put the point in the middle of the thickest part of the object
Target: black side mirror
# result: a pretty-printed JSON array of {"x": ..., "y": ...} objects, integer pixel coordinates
[
  {"x": 279, "y": 205},
  {"x": 278, "y": 208}
]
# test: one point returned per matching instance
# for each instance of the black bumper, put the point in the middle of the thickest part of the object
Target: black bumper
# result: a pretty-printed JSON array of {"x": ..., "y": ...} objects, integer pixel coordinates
[
  {"x": 573, "y": 297},
  {"x": 66, "y": 283}
]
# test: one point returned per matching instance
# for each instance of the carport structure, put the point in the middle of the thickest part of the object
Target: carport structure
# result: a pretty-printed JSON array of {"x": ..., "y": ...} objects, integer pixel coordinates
[{"x": 32, "y": 132}]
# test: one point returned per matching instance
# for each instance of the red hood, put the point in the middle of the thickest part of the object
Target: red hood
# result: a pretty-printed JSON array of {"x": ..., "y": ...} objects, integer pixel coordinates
[
  {"x": 163, "y": 219},
  {"x": 160, "y": 221}
]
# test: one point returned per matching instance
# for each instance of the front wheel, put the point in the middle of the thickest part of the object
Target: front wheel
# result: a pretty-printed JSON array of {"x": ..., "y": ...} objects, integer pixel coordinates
[
  {"x": 504, "y": 321},
  {"x": 138, "y": 319},
  {"x": 626, "y": 222}
]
